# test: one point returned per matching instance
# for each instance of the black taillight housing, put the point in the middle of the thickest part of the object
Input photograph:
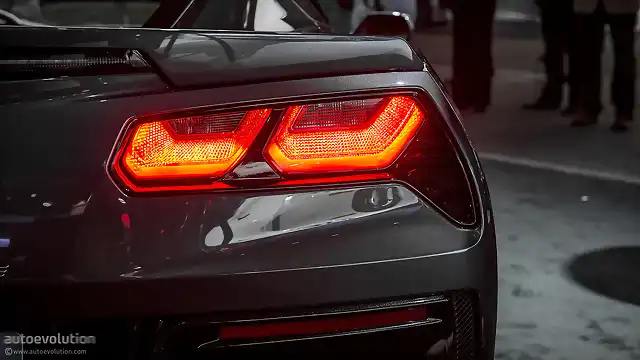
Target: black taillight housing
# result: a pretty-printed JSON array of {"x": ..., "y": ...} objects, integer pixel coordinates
[{"x": 331, "y": 141}]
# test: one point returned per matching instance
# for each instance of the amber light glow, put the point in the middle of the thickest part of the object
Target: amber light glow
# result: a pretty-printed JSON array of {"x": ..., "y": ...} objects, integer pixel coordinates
[
  {"x": 341, "y": 140},
  {"x": 157, "y": 150}
]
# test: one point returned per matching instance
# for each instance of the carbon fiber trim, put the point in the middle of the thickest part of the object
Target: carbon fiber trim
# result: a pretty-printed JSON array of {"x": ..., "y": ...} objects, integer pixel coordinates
[
  {"x": 464, "y": 311},
  {"x": 321, "y": 311},
  {"x": 23, "y": 64},
  {"x": 132, "y": 58}
]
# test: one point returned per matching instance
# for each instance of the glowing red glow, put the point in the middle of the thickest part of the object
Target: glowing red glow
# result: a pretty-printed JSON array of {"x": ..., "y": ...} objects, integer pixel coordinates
[
  {"x": 157, "y": 150},
  {"x": 313, "y": 139}
]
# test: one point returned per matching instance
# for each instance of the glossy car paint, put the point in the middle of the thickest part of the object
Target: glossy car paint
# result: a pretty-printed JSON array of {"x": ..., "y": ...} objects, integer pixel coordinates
[
  {"x": 190, "y": 59},
  {"x": 77, "y": 246}
]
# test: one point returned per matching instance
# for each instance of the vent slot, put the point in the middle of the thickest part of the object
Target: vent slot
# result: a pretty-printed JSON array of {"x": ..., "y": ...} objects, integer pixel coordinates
[
  {"x": 466, "y": 326},
  {"x": 39, "y": 63}
]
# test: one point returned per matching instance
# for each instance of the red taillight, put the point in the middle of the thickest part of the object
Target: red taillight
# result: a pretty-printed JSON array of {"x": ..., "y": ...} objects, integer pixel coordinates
[
  {"x": 344, "y": 136},
  {"x": 378, "y": 138},
  {"x": 192, "y": 146}
]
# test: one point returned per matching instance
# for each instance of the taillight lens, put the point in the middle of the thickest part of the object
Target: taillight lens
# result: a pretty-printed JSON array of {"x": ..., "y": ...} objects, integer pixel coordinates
[
  {"x": 400, "y": 137},
  {"x": 344, "y": 136},
  {"x": 186, "y": 147}
]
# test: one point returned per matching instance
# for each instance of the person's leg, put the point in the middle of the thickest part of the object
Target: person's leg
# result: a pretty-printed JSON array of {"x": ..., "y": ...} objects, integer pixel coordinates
[
  {"x": 483, "y": 54},
  {"x": 423, "y": 20},
  {"x": 358, "y": 14},
  {"x": 461, "y": 54},
  {"x": 552, "y": 25},
  {"x": 570, "y": 47},
  {"x": 591, "y": 30},
  {"x": 438, "y": 13},
  {"x": 624, "y": 78}
]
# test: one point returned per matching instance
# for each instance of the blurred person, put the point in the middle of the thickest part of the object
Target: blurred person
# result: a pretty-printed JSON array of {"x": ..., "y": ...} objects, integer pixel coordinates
[
  {"x": 591, "y": 18},
  {"x": 362, "y": 8},
  {"x": 430, "y": 14},
  {"x": 439, "y": 16},
  {"x": 559, "y": 42},
  {"x": 472, "y": 53}
]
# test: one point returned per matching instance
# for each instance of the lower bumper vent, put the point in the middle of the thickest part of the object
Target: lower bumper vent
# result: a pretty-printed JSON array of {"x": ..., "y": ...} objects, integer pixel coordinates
[
  {"x": 466, "y": 326},
  {"x": 446, "y": 326}
]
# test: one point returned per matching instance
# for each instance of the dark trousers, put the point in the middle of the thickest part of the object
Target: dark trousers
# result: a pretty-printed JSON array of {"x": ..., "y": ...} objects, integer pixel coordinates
[
  {"x": 560, "y": 44},
  {"x": 472, "y": 52},
  {"x": 590, "y": 28}
]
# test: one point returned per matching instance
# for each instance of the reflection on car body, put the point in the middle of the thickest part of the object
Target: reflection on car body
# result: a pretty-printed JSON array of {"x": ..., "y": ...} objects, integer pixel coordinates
[{"x": 268, "y": 216}]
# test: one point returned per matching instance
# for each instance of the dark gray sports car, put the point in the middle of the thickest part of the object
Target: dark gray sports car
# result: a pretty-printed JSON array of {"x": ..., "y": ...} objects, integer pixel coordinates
[{"x": 231, "y": 180}]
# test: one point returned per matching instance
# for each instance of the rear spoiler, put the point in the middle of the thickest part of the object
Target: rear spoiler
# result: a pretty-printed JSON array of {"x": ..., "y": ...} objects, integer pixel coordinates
[{"x": 188, "y": 59}]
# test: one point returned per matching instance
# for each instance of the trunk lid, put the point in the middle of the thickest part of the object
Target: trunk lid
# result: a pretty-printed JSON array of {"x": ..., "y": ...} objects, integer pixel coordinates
[{"x": 188, "y": 59}]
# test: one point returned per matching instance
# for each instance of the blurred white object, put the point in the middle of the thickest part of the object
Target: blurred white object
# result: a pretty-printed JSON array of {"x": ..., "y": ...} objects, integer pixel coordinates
[
  {"x": 269, "y": 17},
  {"x": 362, "y": 8}
]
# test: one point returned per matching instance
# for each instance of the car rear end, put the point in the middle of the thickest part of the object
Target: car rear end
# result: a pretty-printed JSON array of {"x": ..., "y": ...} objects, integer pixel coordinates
[{"x": 178, "y": 194}]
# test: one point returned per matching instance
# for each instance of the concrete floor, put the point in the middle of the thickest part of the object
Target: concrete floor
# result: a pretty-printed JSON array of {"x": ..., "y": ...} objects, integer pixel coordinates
[
  {"x": 568, "y": 245},
  {"x": 547, "y": 221}
]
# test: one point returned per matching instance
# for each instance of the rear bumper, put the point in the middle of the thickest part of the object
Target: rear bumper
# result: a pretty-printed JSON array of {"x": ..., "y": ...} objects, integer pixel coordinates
[
  {"x": 110, "y": 310},
  {"x": 124, "y": 282}
]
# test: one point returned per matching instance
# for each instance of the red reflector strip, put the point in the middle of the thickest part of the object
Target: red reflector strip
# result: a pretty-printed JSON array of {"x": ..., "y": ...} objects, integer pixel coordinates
[{"x": 330, "y": 325}]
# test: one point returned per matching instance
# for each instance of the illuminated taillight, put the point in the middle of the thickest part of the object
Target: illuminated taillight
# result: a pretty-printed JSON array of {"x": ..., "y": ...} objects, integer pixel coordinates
[
  {"x": 401, "y": 137},
  {"x": 344, "y": 136},
  {"x": 188, "y": 147}
]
